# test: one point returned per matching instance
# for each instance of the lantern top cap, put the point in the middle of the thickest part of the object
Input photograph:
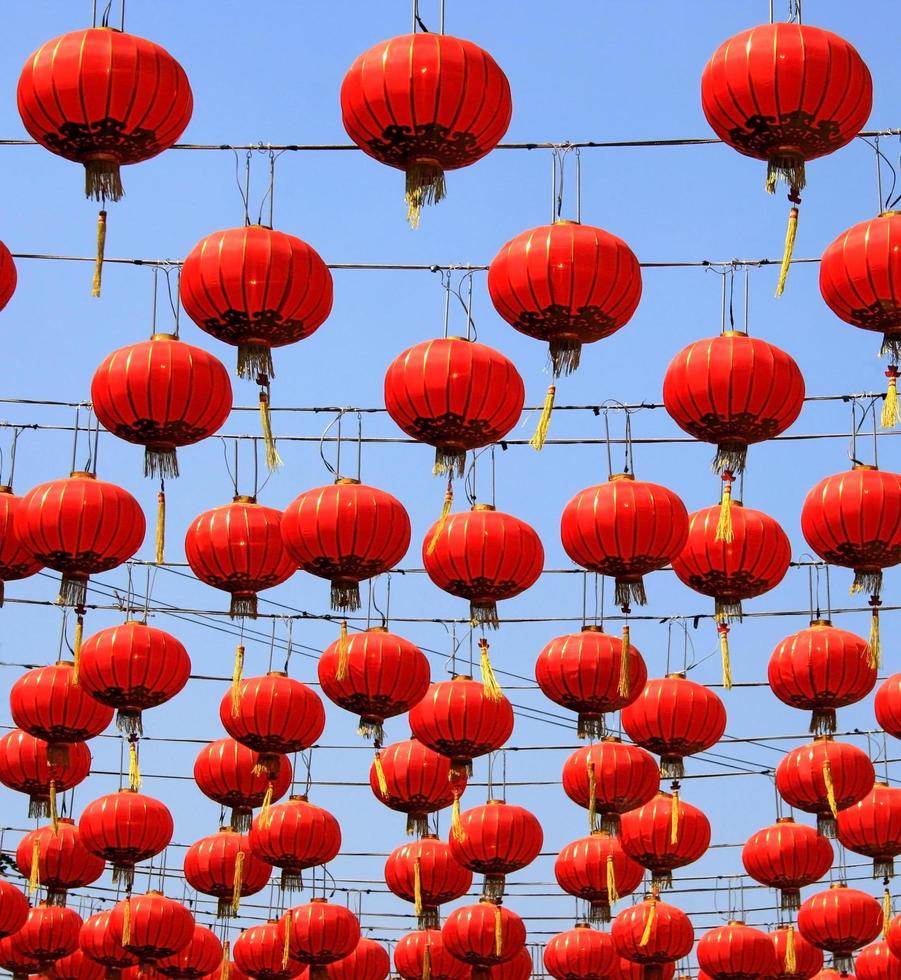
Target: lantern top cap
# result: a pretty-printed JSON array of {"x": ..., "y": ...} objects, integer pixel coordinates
[
  {"x": 820, "y": 623},
  {"x": 880, "y": 782},
  {"x": 243, "y": 498},
  {"x": 276, "y": 673},
  {"x": 459, "y": 677},
  {"x": 677, "y": 675},
  {"x": 614, "y": 477},
  {"x": 376, "y": 629},
  {"x": 888, "y": 214},
  {"x": 318, "y": 901},
  {"x": 64, "y": 663},
  {"x": 429, "y": 837},
  {"x": 465, "y": 340},
  {"x": 82, "y": 475},
  {"x": 496, "y": 803},
  {"x": 566, "y": 221},
  {"x": 735, "y": 922},
  {"x": 298, "y": 798},
  {"x": 611, "y": 738},
  {"x": 583, "y": 925},
  {"x": 863, "y": 466},
  {"x": 822, "y": 738},
  {"x": 785, "y": 819},
  {"x": 592, "y": 628},
  {"x": 483, "y": 507},
  {"x": 489, "y": 901},
  {"x": 5, "y": 488},
  {"x": 164, "y": 336},
  {"x": 346, "y": 481},
  {"x": 734, "y": 333},
  {"x": 837, "y": 884}
]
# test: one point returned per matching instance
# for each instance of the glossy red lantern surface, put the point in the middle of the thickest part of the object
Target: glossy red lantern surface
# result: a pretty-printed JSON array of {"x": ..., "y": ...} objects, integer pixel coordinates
[
  {"x": 198, "y": 959},
  {"x": 585, "y": 672},
  {"x": 50, "y": 932},
  {"x": 483, "y": 935},
  {"x": 887, "y": 705},
  {"x": 13, "y": 908},
  {"x": 16, "y": 561},
  {"x": 669, "y": 938},
  {"x": 418, "y": 781},
  {"x": 104, "y": 98},
  {"x": 427, "y": 867},
  {"x": 414, "y": 949},
  {"x": 788, "y": 856},
  {"x": 588, "y": 866},
  {"x": 63, "y": 861},
  {"x": 624, "y": 528},
  {"x": 808, "y": 959},
  {"x": 627, "y": 970},
  {"x": 736, "y": 952},
  {"x": 133, "y": 667},
  {"x": 840, "y": 920},
  {"x": 369, "y": 961},
  {"x": 322, "y": 933},
  {"x": 256, "y": 288},
  {"x": 157, "y": 926},
  {"x": 459, "y": 720},
  {"x": 80, "y": 526},
  {"x": 877, "y": 962},
  {"x": 822, "y": 668},
  {"x": 8, "y": 276},
  {"x": 16, "y": 962},
  {"x": 566, "y": 284},
  {"x": 125, "y": 828},
  {"x": 259, "y": 952},
  {"x": 582, "y": 953},
  {"x": 226, "y": 771},
  {"x": 754, "y": 562},
  {"x": 379, "y": 675},
  {"x": 616, "y": 776},
  {"x": 25, "y": 766},
  {"x": 674, "y": 717},
  {"x": 483, "y": 555},
  {"x": 78, "y": 966},
  {"x": 294, "y": 836},
  {"x": 96, "y": 941},
  {"x": 872, "y": 827},
  {"x": 453, "y": 394},
  {"x": 238, "y": 548},
  {"x": 893, "y": 938},
  {"x": 801, "y": 779},
  {"x": 853, "y": 519},
  {"x": 346, "y": 532},
  {"x": 212, "y": 867},
  {"x": 733, "y": 390}
]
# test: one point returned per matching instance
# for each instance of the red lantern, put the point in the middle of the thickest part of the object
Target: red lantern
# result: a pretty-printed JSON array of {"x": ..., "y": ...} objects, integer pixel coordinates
[
  {"x": 425, "y": 103},
  {"x": 485, "y": 556},
  {"x": 652, "y": 933},
  {"x": 664, "y": 834},
  {"x": 597, "y": 870},
  {"x": 413, "y": 779},
  {"x": 893, "y": 938},
  {"x": 483, "y": 935},
  {"x": 424, "y": 952},
  {"x": 131, "y": 668},
  {"x": 224, "y": 865},
  {"x": 609, "y": 779},
  {"x": 872, "y": 827},
  {"x": 96, "y": 941},
  {"x": 228, "y": 971},
  {"x": 260, "y": 952},
  {"x": 495, "y": 840},
  {"x": 519, "y": 968},
  {"x": 737, "y": 952},
  {"x": 675, "y": 717},
  {"x": 820, "y": 669},
  {"x": 579, "y": 954},
  {"x": 238, "y": 548},
  {"x": 50, "y": 932},
  {"x": 321, "y": 934},
  {"x": 591, "y": 672},
  {"x": 8, "y": 276},
  {"x": 16, "y": 962},
  {"x": 227, "y": 772},
  {"x": 293, "y": 836},
  {"x": 369, "y": 961},
  {"x": 13, "y": 908},
  {"x": 125, "y": 828},
  {"x": 274, "y": 715},
  {"x": 16, "y": 561},
  {"x": 455, "y": 395},
  {"x": 877, "y": 962},
  {"x": 566, "y": 284},
  {"x": 25, "y": 766},
  {"x": 347, "y": 532},
  {"x": 161, "y": 394},
  {"x": 198, "y": 959},
  {"x": 887, "y": 705},
  {"x": 840, "y": 920},
  {"x": 825, "y": 777},
  {"x": 47, "y": 703},
  {"x": 78, "y": 966},
  {"x": 374, "y": 674},
  {"x": 426, "y": 873},
  {"x": 787, "y": 856},
  {"x": 625, "y": 528},
  {"x": 627, "y": 970},
  {"x": 796, "y": 959},
  {"x": 54, "y": 858},
  {"x": 153, "y": 927},
  {"x": 80, "y": 526},
  {"x": 733, "y": 390}
]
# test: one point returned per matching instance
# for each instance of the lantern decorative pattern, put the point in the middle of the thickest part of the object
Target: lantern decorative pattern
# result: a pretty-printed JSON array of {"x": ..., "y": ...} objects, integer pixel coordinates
[
  {"x": 426, "y": 873},
  {"x": 840, "y": 920},
  {"x": 25, "y": 766},
  {"x": 787, "y": 856},
  {"x": 54, "y": 858},
  {"x": 597, "y": 870},
  {"x": 225, "y": 866},
  {"x": 872, "y": 827}
]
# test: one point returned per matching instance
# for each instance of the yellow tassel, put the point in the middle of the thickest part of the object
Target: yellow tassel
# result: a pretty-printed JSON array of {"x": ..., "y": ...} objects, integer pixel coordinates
[
  {"x": 76, "y": 648},
  {"x": 498, "y": 931},
  {"x": 592, "y": 798},
  {"x": 417, "y": 886},
  {"x": 890, "y": 413},
  {"x": 538, "y": 440},
  {"x": 225, "y": 969},
  {"x": 624, "y": 684},
  {"x": 34, "y": 878},
  {"x": 286, "y": 941},
  {"x": 238, "y": 882},
  {"x": 273, "y": 460},
  {"x": 341, "y": 672},
  {"x": 442, "y": 520},
  {"x": 791, "y": 962},
  {"x": 237, "y": 673},
  {"x": 427, "y": 962},
  {"x": 490, "y": 687},
  {"x": 874, "y": 653},
  {"x": 886, "y": 912},
  {"x": 266, "y": 809},
  {"x": 723, "y": 630},
  {"x": 459, "y": 834},
  {"x": 380, "y": 776},
  {"x": 674, "y": 819},
  {"x": 126, "y": 922},
  {"x": 830, "y": 787},
  {"x": 101, "y": 248},
  {"x": 649, "y": 923},
  {"x": 790, "y": 234},
  {"x": 54, "y": 814},
  {"x": 724, "y": 524},
  {"x": 612, "y": 893},
  {"x": 134, "y": 772},
  {"x": 160, "y": 525},
  {"x": 424, "y": 186}
]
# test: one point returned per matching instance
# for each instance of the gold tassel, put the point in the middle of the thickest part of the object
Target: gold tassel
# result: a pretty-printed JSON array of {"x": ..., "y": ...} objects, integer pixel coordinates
[
  {"x": 273, "y": 460},
  {"x": 592, "y": 798},
  {"x": 134, "y": 772},
  {"x": 724, "y": 524},
  {"x": 225, "y": 969},
  {"x": 54, "y": 814},
  {"x": 424, "y": 186},
  {"x": 874, "y": 653},
  {"x": 34, "y": 877},
  {"x": 101, "y": 248},
  {"x": 160, "y": 524},
  {"x": 427, "y": 962},
  {"x": 624, "y": 684},
  {"x": 286, "y": 941},
  {"x": 649, "y": 924},
  {"x": 266, "y": 809},
  {"x": 538, "y": 440},
  {"x": 723, "y": 630},
  {"x": 790, "y": 234},
  {"x": 490, "y": 687},
  {"x": 457, "y": 831},
  {"x": 830, "y": 787},
  {"x": 890, "y": 413},
  {"x": 341, "y": 672},
  {"x": 126, "y": 922},
  {"x": 442, "y": 520},
  {"x": 237, "y": 673},
  {"x": 238, "y": 882},
  {"x": 612, "y": 893},
  {"x": 674, "y": 819},
  {"x": 886, "y": 912},
  {"x": 417, "y": 887},
  {"x": 498, "y": 931},
  {"x": 76, "y": 647},
  {"x": 380, "y": 776},
  {"x": 791, "y": 962}
]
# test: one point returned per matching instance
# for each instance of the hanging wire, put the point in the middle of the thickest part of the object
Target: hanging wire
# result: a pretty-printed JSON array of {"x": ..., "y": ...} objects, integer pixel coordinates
[
  {"x": 887, "y": 202},
  {"x": 417, "y": 20},
  {"x": 17, "y": 431},
  {"x": 336, "y": 469},
  {"x": 232, "y": 473},
  {"x": 243, "y": 189}
]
